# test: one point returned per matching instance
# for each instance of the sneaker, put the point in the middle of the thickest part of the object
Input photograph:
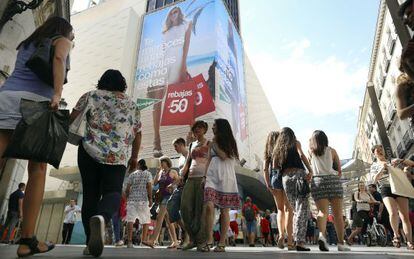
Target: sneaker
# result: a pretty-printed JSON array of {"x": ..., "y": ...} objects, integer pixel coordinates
[
  {"x": 96, "y": 239},
  {"x": 119, "y": 243},
  {"x": 323, "y": 246},
  {"x": 343, "y": 248},
  {"x": 86, "y": 251},
  {"x": 130, "y": 245}
]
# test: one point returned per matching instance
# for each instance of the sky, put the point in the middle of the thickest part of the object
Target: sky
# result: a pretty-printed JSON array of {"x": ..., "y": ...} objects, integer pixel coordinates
[{"x": 312, "y": 59}]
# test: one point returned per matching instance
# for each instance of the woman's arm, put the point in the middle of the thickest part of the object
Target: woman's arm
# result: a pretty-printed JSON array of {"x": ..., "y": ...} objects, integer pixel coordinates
[
  {"x": 62, "y": 49},
  {"x": 266, "y": 172},
  {"x": 337, "y": 161},
  {"x": 185, "y": 169},
  {"x": 403, "y": 111},
  {"x": 157, "y": 177},
  {"x": 208, "y": 158}
]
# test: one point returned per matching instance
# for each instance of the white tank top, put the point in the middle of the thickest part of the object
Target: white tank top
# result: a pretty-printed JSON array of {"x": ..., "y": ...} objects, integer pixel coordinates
[{"x": 322, "y": 165}]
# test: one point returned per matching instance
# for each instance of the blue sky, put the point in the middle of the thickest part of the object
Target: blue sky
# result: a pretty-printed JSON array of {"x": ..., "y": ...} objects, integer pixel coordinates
[{"x": 312, "y": 58}]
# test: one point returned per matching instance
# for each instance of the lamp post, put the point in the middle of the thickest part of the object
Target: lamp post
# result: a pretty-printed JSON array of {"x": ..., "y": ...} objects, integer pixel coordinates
[{"x": 16, "y": 7}]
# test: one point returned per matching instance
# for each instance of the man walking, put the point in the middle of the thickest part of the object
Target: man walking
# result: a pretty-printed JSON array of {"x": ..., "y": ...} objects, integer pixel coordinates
[
  {"x": 249, "y": 212},
  {"x": 14, "y": 212},
  {"x": 69, "y": 222}
]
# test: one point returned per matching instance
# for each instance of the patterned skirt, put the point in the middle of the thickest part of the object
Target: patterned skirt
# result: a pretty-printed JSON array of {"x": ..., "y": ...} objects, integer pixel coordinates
[
  {"x": 326, "y": 187},
  {"x": 221, "y": 184}
]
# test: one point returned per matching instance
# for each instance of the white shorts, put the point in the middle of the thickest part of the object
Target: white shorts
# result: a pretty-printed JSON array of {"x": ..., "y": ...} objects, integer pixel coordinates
[{"x": 140, "y": 211}]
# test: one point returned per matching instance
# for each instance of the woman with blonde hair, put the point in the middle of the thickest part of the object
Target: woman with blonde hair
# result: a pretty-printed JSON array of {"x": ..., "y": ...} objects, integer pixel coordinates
[
  {"x": 274, "y": 183},
  {"x": 176, "y": 35},
  {"x": 166, "y": 178}
]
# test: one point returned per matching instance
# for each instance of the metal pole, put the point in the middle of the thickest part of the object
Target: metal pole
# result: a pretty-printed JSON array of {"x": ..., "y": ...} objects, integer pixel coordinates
[
  {"x": 380, "y": 121},
  {"x": 401, "y": 28}
]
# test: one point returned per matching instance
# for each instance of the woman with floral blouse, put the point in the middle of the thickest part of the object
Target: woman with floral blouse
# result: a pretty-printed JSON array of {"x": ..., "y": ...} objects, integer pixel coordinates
[{"x": 113, "y": 127}]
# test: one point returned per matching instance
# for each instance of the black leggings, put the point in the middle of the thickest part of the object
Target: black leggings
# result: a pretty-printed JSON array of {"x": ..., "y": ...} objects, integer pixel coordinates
[{"x": 102, "y": 188}]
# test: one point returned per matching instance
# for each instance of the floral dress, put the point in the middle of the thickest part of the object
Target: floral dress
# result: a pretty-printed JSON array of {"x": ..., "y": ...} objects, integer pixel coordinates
[{"x": 113, "y": 120}]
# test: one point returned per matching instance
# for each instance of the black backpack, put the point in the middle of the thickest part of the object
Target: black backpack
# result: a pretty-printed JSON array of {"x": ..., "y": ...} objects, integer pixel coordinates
[{"x": 249, "y": 213}]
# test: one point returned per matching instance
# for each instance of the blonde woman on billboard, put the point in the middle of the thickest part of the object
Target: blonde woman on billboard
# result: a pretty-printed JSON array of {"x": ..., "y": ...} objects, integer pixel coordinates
[{"x": 176, "y": 42}]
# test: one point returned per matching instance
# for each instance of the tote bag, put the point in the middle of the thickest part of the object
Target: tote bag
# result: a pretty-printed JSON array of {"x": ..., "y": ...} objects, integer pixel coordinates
[
  {"x": 400, "y": 185},
  {"x": 77, "y": 129}
]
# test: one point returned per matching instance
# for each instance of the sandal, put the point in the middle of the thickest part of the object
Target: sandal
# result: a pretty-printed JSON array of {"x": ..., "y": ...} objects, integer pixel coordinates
[
  {"x": 410, "y": 246},
  {"x": 280, "y": 243},
  {"x": 146, "y": 243},
  {"x": 33, "y": 244},
  {"x": 203, "y": 248},
  {"x": 172, "y": 247},
  {"x": 291, "y": 247},
  {"x": 220, "y": 248},
  {"x": 396, "y": 242}
]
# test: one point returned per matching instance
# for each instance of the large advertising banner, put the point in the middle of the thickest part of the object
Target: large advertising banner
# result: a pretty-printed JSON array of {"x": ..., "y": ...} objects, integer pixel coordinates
[{"x": 190, "y": 60}]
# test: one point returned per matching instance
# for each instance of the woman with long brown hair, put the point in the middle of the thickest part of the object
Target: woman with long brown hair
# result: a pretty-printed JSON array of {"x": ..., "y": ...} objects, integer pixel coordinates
[
  {"x": 274, "y": 183},
  {"x": 289, "y": 157},
  {"x": 326, "y": 187},
  {"x": 220, "y": 181},
  {"x": 24, "y": 83}
]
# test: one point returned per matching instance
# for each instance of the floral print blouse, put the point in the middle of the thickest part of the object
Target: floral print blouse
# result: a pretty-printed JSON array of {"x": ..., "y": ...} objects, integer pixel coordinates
[{"x": 113, "y": 120}]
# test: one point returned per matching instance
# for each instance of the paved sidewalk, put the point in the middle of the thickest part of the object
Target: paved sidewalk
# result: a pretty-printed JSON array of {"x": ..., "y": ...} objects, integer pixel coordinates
[{"x": 232, "y": 252}]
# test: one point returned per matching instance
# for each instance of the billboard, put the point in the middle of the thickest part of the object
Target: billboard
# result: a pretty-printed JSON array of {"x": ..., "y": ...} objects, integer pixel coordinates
[{"x": 190, "y": 59}]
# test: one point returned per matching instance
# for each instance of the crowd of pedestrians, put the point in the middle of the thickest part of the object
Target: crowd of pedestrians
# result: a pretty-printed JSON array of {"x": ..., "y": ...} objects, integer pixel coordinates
[{"x": 118, "y": 187}]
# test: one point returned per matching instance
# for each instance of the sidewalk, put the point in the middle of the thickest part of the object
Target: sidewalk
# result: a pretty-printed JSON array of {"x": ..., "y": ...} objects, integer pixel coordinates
[{"x": 360, "y": 252}]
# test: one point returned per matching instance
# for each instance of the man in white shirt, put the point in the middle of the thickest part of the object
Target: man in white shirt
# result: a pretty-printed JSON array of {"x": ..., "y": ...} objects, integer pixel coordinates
[
  {"x": 273, "y": 227},
  {"x": 71, "y": 211}
]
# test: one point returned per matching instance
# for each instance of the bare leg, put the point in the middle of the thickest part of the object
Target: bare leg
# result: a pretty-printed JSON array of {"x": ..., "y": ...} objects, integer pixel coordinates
[
  {"x": 158, "y": 226},
  {"x": 404, "y": 215},
  {"x": 156, "y": 116},
  {"x": 279, "y": 197},
  {"x": 339, "y": 219},
  {"x": 392, "y": 208},
  {"x": 322, "y": 217},
  {"x": 130, "y": 229},
  {"x": 32, "y": 203},
  {"x": 144, "y": 232},
  {"x": 210, "y": 221},
  {"x": 171, "y": 231},
  {"x": 224, "y": 225},
  {"x": 353, "y": 234}
]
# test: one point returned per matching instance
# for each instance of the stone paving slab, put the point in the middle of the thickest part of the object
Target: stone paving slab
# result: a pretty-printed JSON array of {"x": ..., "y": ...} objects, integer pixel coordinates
[{"x": 110, "y": 252}]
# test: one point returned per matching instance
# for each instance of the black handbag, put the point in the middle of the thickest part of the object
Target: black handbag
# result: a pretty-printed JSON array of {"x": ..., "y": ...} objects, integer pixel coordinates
[
  {"x": 41, "y": 61},
  {"x": 302, "y": 187}
]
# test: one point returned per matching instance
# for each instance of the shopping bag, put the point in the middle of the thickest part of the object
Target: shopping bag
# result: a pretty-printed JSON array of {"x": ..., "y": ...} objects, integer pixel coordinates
[
  {"x": 204, "y": 102},
  {"x": 400, "y": 184},
  {"x": 77, "y": 129},
  {"x": 179, "y": 104},
  {"x": 41, "y": 135}
]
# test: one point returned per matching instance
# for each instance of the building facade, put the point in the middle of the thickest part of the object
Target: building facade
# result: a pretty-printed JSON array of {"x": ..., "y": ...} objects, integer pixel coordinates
[{"x": 383, "y": 74}]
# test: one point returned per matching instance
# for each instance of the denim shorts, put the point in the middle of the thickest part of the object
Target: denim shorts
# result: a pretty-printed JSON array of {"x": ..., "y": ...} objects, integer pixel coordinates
[
  {"x": 251, "y": 226},
  {"x": 165, "y": 200},
  {"x": 276, "y": 179},
  {"x": 173, "y": 205}
]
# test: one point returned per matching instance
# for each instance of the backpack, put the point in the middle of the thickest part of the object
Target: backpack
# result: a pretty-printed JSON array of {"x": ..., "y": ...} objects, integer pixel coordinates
[{"x": 249, "y": 213}]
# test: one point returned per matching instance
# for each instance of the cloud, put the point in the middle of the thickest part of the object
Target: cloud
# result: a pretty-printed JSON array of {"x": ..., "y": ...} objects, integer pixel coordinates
[{"x": 298, "y": 85}]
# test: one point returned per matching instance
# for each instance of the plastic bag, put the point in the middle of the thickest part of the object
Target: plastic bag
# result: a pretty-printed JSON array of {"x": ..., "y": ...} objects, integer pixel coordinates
[{"x": 41, "y": 135}]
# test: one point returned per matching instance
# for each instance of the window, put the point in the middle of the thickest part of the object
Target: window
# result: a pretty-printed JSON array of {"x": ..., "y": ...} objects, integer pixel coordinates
[
  {"x": 168, "y": 1},
  {"x": 160, "y": 3},
  {"x": 151, "y": 5}
]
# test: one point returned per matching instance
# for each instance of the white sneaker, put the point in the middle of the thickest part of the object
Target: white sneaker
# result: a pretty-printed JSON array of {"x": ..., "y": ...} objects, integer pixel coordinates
[
  {"x": 323, "y": 245},
  {"x": 343, "y": 248},
  {"x": 96, "y": 239},
  {"x": 119, "y": 243}
]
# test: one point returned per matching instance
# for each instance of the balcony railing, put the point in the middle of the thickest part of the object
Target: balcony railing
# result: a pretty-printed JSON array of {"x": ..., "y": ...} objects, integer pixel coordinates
[
  {"x": 408, "y": 140},
  {"x": 401, "y": 150},
  {"x": 391, "y": 111}
]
